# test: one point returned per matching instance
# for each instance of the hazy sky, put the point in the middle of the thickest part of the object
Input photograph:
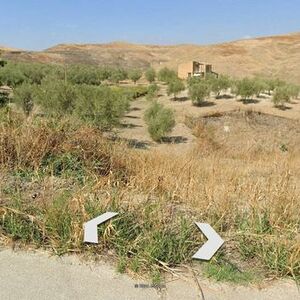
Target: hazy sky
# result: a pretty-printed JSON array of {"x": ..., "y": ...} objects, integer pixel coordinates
[{"x": 38, "y": 24}]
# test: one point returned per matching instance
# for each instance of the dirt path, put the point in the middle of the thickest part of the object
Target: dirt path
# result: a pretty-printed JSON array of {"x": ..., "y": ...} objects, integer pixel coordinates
[{"x": 28, "y": 275}]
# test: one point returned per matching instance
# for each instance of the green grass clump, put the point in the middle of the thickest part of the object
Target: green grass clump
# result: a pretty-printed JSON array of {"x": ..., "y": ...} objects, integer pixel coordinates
[{"x": 226, "y": 271}]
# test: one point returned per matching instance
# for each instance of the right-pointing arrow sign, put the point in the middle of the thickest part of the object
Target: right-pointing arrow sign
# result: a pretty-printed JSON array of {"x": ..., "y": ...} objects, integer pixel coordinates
[{"x": 214, "y": 242}]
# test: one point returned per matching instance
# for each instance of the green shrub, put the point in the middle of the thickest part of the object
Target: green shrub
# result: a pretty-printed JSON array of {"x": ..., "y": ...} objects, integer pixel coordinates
[
  {"x": 150, "y": 75},
  {"x": 222, "y": 83},
  {"x": 166, "y": 75},
  {"x": 198, "y": 92},
  {"x": 152, "y": 91},
  {"x": 193, "y": 80},
  {"x": 281, "y": 96},
  {"x": 24, "y": 97},
  {"x": 175, "y": 86},
  {"x": 101, "y": 106},
  {"x": 56, "y": 97},
  {"x": 260, "y": 85},
  {"x": 34, "y": 72},
  {"x": 160, "y": 120},
  {"x": 132, "y": 92},
  {"x": 273, "y": 83},
  {"x": 11, "y": 75},
  {"x": 83, "y": 75},
  {"x": 117, "y": 75},
  {"x": 293, "y": 90},
  {"x": 245, "y": 88},
  {"x": 135, "y": 75}
]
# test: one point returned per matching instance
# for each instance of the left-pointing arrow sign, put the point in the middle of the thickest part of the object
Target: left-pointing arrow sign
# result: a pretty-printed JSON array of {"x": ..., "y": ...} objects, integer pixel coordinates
[
  {"x": 90, "y": 227},
  {"x": 214, "y": 242}
]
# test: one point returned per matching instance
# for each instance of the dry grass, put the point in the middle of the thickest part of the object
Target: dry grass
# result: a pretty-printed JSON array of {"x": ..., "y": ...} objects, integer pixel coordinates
[{"x": 252, "y": 199}]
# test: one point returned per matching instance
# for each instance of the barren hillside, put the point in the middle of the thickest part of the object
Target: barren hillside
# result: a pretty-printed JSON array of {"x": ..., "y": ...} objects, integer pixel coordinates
[{"x": 278, "y": 55}]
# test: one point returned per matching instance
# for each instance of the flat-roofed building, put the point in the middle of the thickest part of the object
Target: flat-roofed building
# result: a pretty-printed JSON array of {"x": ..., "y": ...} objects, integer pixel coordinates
[{"x": 194, "y": 68}]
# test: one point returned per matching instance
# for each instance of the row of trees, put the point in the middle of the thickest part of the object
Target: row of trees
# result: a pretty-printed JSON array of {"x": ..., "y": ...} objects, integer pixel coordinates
[
  {"x": 201, "y": 88},
  {"x": 13, "y": 74},
  {"x": 102, "y": 106}
]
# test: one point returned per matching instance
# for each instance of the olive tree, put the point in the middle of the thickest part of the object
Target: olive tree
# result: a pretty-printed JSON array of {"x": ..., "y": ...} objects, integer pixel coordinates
[
  {"x": 222, "y": 83},
  {"x": 117, "y": 75},
  {"x": 135, "y": 75},
  {"x": 260, "y": 85},
  {"x": 281, "y": 96},
  {"x": 150, "y": 75},
  {"x": 160, "y": 120},
  {"x": 245, "y": 88},
  {"x": 175, "y": 86},
  {"x": 166, "y": 75},
  {"x": 198, "y": 92}
]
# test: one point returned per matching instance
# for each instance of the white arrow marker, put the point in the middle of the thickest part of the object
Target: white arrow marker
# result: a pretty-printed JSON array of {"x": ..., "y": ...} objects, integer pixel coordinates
[
  {"x": 90, "y": 227},
  {"x": 214, "y": 242}
]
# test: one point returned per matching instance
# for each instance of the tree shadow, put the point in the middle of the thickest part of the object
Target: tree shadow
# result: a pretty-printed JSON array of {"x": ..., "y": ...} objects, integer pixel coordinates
[
  {"x": 132, "y": 143},
  {"x": 136, "y": 144},
  {"x": 205, "y": 104},
  {"x": 129, "y": 125},
  {"x": 180, "y": 99},
  {"x": 249, "y": 101},
  {"x": 174, "y": 140},
  {"x": 131, "y": 117},
  {"x": 135, "y": 109},
  {"x": 283, "y": 107},
  {"x": 225, "y": 96}
]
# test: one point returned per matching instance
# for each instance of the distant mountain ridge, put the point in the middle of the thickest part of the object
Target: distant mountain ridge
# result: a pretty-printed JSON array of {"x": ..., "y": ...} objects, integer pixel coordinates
[{"x": 275, "y": 55}]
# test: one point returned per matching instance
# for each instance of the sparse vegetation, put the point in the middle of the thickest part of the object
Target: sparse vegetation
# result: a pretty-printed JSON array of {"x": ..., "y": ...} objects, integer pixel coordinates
[
  {"x": 150, "y": 75},
  {"x": 175, "y": 86},
  {"x": 166, "y": 75},
  {"x": 160, "y": 120},
  {"x": 281, "y": 96},
  {"x": 199, "y": 92},
  {"x": 117, "y": 75},
  {"x": 135, "y": 75},
  {"x": 59, "y": 170},
  {"x": 152, "y": 91},
  {"x": 260, "y": 86},
  {"x": 24, "y": 97},
  {"x": 11, "y": 75},
  {"x": 245, "y": 88},
  {"x": 220, "y": 84}
]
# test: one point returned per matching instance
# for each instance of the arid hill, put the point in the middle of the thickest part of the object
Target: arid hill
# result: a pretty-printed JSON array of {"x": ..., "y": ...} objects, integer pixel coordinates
[{"x": 275, "y": 55}]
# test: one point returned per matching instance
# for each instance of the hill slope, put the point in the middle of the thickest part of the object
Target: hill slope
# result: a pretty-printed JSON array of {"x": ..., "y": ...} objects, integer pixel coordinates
[{"x": 278, "y": 55}]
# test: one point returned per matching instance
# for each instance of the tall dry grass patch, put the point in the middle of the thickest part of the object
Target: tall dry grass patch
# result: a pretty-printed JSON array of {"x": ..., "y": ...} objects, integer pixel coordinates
[{"x": 253, "y": 203}]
